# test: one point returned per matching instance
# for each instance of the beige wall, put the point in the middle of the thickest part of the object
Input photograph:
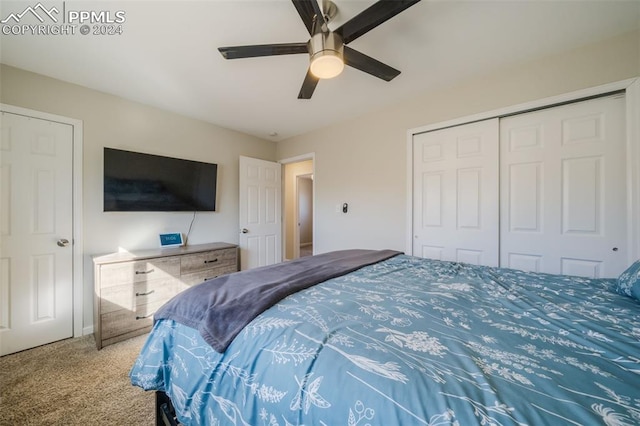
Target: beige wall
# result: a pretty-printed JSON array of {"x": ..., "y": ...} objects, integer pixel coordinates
[
  {"x": 363, "y": 161},
  {"x": 115, "y": 122}
]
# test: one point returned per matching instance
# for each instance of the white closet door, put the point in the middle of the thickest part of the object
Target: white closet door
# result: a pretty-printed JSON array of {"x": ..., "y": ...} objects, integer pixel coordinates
[
  {"x": 455, "y": 178},
  {"x": 563, "y": 189}
]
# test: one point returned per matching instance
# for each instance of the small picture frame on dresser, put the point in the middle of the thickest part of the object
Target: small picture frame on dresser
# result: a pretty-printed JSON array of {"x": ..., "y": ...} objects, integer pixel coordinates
[{"x": 173, "y": 239}]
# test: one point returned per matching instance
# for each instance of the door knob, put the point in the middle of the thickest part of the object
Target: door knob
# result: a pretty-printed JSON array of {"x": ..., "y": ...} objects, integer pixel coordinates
[
  {"x": 244, "y": 230},
  {"x": 63, "y": 242}
]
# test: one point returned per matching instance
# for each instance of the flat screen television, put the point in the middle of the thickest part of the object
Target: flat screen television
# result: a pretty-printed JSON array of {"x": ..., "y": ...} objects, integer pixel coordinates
[{"x": 137, "y": 182}]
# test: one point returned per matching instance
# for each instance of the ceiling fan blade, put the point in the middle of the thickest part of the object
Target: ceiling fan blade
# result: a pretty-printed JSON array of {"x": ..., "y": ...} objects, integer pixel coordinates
[
  {"x": 308, "y": 9},
  {"x": 309, "y": 85},
  {"x": 371, "y": 17},
  {"x": 365, "y": 63},
  {"x": 236, "y": 52}
]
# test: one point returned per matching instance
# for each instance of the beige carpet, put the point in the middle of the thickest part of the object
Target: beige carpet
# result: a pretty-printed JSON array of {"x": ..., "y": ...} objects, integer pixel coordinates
[{"x": 71, "y": 383}]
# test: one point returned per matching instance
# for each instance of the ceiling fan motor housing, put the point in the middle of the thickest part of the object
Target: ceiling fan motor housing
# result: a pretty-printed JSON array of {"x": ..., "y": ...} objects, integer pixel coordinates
[{"x": 327, "y": 54}]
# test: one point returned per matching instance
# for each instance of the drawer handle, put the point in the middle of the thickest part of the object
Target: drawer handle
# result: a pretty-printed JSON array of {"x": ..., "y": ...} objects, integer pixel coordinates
[
  {"x": 145, "y": 272},
  {"x": 211, "y": 261},
  {"x": 210, "y": 278},
  {"x": 139, "y": 317},
  {"x": 145, "y": 294}
]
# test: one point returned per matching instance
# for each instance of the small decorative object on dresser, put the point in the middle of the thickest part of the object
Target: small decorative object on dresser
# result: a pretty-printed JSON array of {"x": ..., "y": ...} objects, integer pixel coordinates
[
  {"x": 130, "y": 287},
  {"x": 173, "y": 239}
]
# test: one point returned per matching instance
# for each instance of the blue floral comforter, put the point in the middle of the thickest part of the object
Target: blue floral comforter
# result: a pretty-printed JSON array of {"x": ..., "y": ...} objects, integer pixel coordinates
[{"x": 412, "y": 341}]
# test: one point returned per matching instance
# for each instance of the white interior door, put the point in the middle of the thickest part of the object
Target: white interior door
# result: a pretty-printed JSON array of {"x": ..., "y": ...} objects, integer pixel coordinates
[
  {"x": 36, "y": 225},
  {"x": 563, "y": 189},
  {"x": 260, "y": 213},
  {"x": 455, "y": 187}
]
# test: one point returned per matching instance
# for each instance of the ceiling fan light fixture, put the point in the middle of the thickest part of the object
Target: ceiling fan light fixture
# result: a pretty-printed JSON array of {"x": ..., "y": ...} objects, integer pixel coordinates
[
  {"x": 327, "y": 59},
  {"x": 326, "y": 64}
]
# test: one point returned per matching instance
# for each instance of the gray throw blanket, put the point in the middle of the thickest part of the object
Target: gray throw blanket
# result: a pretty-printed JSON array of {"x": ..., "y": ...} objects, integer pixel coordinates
[{"x": 220, "y": 308}]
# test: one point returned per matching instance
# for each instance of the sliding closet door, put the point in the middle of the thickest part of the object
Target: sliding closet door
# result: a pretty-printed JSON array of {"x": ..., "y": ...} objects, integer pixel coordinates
[
  {"x": 455, "y": 187},
  {"x": 563, "y": 189}
]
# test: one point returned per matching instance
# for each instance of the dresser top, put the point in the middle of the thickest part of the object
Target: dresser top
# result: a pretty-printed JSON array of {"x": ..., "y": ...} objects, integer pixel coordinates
[{"x": 158, "y": 252}]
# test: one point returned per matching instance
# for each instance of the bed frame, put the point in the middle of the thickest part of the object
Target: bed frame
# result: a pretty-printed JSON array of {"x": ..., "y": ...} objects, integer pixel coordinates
[{"x": 165, "y": 413}]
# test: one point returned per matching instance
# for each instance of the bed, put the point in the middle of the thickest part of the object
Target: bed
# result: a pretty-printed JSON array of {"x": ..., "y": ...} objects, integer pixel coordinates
[{"x": 409, "y": 341}]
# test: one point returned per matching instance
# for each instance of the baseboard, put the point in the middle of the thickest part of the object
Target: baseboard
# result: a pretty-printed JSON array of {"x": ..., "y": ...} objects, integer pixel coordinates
[{"x": 87, "y": 330}]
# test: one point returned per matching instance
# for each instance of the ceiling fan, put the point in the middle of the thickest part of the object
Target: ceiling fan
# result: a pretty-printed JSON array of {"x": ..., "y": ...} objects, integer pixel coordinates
[{"x": 327, "y": 49}]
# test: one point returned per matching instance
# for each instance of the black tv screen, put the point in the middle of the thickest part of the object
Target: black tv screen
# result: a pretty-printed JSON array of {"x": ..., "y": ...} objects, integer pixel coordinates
[{"x": 137, "y": 182}]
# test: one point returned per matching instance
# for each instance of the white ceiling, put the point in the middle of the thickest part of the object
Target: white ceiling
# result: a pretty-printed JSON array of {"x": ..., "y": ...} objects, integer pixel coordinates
[{"x": 167, "y": 54}]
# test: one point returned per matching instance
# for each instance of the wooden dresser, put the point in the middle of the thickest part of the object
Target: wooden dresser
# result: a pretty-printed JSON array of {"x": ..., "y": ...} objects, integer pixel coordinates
[{"x": 130, "y": 287}]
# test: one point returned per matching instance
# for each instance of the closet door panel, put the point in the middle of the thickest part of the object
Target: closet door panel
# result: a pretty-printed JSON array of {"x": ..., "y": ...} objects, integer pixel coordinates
[
  {"x": 525, "y": 190},
  {"x": 456, "y": 193},
  {"x": 563, "y": 189},
  {"x": 582, "y": 182}
]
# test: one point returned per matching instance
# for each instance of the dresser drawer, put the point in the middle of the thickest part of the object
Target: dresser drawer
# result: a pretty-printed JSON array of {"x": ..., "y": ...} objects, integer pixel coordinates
[
  {"x": 200, "y": 277},
  {"x": 125, "y": 320},
  {"x": 198, "y": 262},
  {"x": 128, "y": 296},
  {"x": 139, "y": 271}
]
